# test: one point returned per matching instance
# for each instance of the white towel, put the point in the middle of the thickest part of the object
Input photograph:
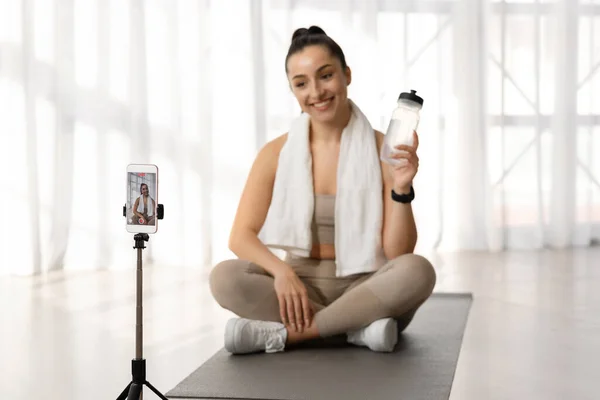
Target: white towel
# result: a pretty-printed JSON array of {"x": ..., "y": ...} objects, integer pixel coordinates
[
  {"x": 358, "y": 204},
  {"x": 140, "y": 208}
]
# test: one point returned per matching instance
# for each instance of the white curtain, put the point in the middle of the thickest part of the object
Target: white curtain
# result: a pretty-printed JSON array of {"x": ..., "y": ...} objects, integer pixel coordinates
[{"x": 510, "y": 129}]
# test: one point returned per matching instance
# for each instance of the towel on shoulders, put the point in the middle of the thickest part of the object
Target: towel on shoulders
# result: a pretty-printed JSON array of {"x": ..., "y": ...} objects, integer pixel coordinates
[{"x": 358, "y": 203}]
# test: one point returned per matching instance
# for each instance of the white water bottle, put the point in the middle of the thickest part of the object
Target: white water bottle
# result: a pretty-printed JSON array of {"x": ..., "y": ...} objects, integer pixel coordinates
[{"x": 405, "y": 120}]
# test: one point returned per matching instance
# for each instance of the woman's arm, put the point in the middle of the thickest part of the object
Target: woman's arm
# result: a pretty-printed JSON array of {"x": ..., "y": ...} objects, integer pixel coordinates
[
  {"x": 252, "y": 211},
  {"x": 399, "y": 233}
]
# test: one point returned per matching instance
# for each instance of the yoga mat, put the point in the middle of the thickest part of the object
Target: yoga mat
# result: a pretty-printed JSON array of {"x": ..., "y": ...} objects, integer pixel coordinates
[{"x": 421, "y": 367}]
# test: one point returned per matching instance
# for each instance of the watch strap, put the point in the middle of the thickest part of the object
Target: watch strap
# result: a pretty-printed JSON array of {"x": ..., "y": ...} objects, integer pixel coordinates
[{"x": 404, "y": 198}]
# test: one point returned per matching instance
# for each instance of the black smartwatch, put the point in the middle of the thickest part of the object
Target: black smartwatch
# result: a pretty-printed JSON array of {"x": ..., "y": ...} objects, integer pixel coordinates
[{"x": 404, "y": 198}]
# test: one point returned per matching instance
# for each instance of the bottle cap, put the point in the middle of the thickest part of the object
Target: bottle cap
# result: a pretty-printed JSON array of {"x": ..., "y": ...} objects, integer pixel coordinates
[{"x": 411, "y": 96}]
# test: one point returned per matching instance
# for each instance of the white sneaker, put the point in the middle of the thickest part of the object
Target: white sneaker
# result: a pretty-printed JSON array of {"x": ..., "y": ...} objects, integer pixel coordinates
[
  {"x": 380, "y": 335},
  {"x": 248, "y": 336}
]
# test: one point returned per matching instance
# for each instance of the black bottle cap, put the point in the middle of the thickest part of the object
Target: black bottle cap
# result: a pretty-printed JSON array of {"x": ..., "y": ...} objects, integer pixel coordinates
[{"x": 411, "y": 96}]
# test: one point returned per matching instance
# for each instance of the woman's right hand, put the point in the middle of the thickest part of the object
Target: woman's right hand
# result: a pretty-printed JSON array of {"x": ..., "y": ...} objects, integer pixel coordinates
[{"x": 294, "y": 306}]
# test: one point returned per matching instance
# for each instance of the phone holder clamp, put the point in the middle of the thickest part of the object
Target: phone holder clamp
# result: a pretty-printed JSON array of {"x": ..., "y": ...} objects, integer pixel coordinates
[{"x": 160, "y": 211}]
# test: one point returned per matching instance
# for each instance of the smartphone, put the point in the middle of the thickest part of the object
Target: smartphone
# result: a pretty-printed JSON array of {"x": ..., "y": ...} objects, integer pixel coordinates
[{"x": 142, "y": 198}]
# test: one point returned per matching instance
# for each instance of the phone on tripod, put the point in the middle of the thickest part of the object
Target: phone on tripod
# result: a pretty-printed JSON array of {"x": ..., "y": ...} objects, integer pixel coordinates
[{"x": 141, "y": 209}]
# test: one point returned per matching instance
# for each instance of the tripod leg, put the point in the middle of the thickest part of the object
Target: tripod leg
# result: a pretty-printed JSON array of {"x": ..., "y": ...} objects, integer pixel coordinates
[
  {"x": 123, "y": 395},
  {"x": 135, "y": 391},
  {"x": 156, "y": 392}
]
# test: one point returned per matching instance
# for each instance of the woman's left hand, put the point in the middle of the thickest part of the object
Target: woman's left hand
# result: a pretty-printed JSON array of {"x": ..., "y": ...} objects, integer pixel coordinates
[{"x": 403, "y": 175}]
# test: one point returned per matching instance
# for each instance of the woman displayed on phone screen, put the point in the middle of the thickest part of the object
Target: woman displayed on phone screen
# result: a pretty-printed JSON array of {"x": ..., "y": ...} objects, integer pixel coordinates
[{"x": 144, "y": 206}]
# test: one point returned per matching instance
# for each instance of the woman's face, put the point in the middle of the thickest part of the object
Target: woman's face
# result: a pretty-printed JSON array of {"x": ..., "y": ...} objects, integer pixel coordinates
[
  {"x": 318, "y": 82},
  {"x": 145, "y": 190}
]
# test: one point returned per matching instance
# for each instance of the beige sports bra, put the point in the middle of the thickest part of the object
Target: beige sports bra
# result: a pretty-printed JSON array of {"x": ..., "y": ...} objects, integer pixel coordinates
[{"x": 323, "y": 223}]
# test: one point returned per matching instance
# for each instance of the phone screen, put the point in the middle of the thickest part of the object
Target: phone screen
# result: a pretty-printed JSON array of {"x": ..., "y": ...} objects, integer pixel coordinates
[{"x": 141, "y": 201}]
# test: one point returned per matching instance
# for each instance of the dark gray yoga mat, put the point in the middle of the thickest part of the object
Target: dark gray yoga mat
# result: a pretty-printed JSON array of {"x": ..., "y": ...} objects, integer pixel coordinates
[{"x": 422, "y": 366}]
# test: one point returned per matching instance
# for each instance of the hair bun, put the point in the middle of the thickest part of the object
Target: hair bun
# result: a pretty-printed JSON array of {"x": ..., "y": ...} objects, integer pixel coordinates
[
  {"x": 299, "y": 33},
  {"x": 313, "y": 30}
]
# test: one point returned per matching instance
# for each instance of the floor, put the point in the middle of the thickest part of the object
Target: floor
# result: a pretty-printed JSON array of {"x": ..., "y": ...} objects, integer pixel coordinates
[{"x": 533, "y": 331}]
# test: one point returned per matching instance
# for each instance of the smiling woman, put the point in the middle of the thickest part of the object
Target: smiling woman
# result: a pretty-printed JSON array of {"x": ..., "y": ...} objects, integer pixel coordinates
[{"x": 321, "y": 193}]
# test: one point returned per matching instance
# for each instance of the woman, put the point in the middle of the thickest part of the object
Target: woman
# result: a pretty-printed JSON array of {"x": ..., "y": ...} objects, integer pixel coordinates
[
  {"x": 144, "y": 206},
  {"x": 282, "y": 302}
]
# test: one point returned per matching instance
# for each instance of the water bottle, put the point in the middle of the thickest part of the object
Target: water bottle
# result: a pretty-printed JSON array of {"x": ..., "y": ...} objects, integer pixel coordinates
[{"x": 405, "y": 120}]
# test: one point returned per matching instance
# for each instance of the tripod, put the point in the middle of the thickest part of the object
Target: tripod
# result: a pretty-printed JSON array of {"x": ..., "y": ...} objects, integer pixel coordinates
[{"x": 133, "y": 391}]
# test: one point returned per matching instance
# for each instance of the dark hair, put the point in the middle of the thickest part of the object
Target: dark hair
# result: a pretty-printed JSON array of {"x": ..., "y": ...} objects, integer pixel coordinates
[{"x": 314, "y": 35}]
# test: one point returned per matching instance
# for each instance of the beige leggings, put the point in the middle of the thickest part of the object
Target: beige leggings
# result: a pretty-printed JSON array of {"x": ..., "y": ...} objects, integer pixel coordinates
[{"x": 344, "y": 304}]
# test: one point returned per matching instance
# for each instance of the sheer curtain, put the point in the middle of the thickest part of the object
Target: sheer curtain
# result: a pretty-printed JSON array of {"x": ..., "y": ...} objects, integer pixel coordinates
[{"x": 509, "y": 129}]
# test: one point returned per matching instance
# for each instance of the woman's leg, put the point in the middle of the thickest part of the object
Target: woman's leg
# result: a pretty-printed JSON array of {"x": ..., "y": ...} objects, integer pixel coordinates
[
  {"x": 396, "y": 290},
  {"x": 248, "y": 291}
]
